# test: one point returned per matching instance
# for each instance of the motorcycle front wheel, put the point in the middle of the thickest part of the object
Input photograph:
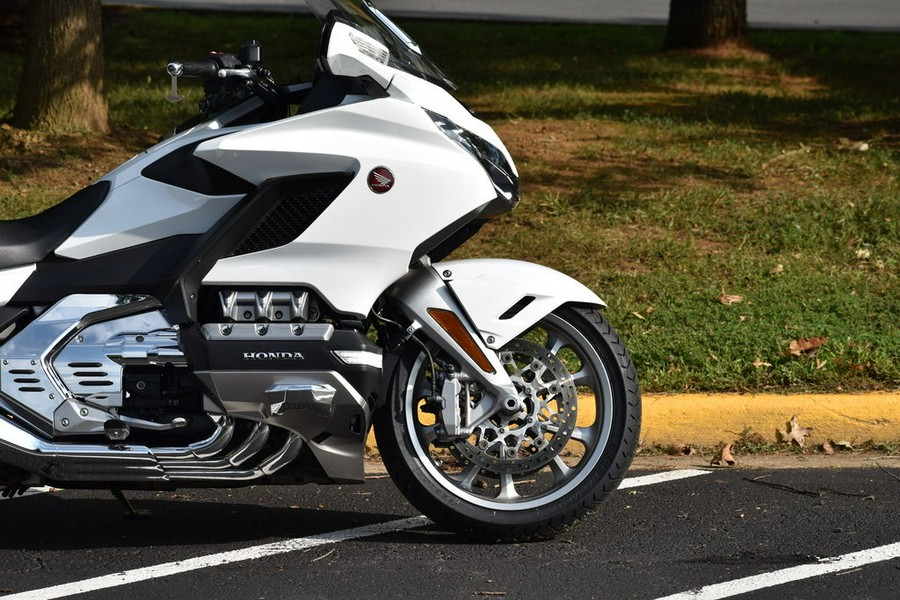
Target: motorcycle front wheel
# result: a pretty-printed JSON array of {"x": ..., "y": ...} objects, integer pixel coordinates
[{"x": 535, "y": 468}]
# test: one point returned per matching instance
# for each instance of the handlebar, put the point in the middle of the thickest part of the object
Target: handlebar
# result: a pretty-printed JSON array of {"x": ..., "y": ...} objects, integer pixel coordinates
[{"x": 194, "y": 68}]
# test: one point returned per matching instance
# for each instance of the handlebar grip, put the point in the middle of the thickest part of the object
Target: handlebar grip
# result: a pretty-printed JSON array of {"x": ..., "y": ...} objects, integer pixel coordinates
[{"x": 194, "y": 68}]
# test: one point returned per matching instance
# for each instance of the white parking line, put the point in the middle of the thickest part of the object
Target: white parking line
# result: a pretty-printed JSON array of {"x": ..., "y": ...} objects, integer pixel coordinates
[
  {"x": 216, "y": 560},
  {"x": 664, "y": 477},
  {"x": 30, "y": 492},
  {"x": 764, "y": 580},
  {"x": 304, "y": 543}
]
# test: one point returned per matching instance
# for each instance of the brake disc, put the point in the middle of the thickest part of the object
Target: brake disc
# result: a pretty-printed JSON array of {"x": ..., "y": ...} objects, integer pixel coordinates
[{"x": 525, "y": 438}]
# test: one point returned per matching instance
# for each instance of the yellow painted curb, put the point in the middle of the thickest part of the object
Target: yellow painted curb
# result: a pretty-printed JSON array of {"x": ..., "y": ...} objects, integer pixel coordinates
[{"x": 707, "y": 420}]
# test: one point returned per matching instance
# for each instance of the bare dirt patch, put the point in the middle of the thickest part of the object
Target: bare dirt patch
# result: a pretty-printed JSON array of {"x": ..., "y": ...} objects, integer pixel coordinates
[{"x": 39, "y": 169}]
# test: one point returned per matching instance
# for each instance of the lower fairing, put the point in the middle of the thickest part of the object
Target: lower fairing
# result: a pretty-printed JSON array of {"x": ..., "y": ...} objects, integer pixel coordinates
[{"x": 97, "y": 391}]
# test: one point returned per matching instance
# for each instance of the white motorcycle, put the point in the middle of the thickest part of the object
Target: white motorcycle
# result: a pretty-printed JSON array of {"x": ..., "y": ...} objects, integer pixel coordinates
[{"x": 238, "y": 304}]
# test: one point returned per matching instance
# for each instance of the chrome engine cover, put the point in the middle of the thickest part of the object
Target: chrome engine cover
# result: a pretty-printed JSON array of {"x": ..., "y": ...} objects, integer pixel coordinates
[{"x": 65, "y": 367}]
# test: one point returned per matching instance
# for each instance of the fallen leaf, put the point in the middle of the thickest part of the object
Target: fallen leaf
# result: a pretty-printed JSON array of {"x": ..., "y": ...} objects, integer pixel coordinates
[
  {"x": 796, "y": 434},
  {"x": 682, "y": 450},
  {"x": 863, "y": 254},
  {"x": 820, "y": 364},
  {"x": 729, "y": 299},
  {"x": 828, "y": 449},
  {"x": 777, "y": 269},
  {"x": 758, "y": 363},
  {"x": 725, "y": 457},
  {"x": 842, "y": 445},
  {"x": 807, "y": 346},
  {"x": 638, "y": 315}
]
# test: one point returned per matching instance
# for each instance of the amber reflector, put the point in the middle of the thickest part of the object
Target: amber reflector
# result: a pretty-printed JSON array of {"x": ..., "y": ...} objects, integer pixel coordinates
[{"x": 450, "y": 323}]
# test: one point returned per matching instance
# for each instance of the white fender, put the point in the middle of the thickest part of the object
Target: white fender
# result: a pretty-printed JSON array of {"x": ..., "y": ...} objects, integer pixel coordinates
[{"x": 493, "y": 291}]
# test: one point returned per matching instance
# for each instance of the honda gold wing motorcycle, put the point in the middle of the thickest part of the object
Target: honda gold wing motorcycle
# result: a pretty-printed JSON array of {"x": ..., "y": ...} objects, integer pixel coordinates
[{"x": 240, "y": 303}]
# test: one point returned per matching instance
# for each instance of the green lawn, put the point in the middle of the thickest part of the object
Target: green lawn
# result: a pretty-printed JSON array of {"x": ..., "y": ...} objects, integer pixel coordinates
[{"x": 723, "y": 205}]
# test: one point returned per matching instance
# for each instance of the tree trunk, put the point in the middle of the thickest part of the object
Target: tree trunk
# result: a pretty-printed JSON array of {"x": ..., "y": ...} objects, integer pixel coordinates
[
  {"x": 706, "y": 23},
  {"x": 62, "y": 80}
]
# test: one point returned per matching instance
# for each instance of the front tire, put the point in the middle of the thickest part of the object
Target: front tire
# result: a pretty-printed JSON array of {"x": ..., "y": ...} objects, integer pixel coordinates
[{"x": 532, "y": 472}]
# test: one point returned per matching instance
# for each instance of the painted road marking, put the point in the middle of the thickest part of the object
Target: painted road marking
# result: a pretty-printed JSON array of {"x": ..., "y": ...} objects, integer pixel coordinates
[
  {"x": 282, "y": 547},
  {"x": 30, "y": 492},
  {"x": 825, "y": 566},
  {"x": 216, "y": 560},
  {"x": 664, "y": 477}
]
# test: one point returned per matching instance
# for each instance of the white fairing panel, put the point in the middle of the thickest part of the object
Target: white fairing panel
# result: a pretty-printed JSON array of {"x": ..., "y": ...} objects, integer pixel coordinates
[
  {"x": 364, "y": 241},
  {"x": 487, "y": 288},
  {"x": 11, "y": 280},
  {"x": 139, "y": 210}
]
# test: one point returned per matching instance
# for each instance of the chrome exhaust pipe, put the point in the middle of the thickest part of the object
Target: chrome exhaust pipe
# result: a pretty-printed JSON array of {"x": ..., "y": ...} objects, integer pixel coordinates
[{"x": 201, "y": 462}]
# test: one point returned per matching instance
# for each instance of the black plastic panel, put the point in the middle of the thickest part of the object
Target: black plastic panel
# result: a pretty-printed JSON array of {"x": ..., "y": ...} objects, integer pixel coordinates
[
  {"x": 184, "y": 170},
  {"x": 30, "y": 240},
  {"x": 299, "y": 203}
]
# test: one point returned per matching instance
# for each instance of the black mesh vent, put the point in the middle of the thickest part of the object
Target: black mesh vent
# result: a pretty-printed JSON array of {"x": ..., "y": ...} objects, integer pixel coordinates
[{"x": 300, "y": 202}]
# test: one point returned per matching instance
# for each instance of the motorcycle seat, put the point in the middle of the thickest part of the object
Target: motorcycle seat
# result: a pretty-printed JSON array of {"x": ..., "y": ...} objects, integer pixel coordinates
[{"x": 30, "y": 240}]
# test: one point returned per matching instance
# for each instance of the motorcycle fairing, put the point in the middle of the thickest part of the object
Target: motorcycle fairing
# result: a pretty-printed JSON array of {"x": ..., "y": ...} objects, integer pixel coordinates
[
  {"x": 350, "y": 236},
  {"x": 503, "y": 298}
]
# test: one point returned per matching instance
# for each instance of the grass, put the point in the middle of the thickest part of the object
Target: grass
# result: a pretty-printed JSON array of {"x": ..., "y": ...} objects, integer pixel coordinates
[{"x": 664, "y": 181}]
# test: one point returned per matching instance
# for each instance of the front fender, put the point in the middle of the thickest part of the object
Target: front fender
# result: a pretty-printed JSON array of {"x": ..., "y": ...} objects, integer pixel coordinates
[{"x": 503, "y": 298}]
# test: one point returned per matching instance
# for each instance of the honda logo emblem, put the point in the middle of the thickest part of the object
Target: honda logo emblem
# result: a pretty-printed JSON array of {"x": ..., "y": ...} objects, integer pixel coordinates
[{"x": 381, "y": 180}]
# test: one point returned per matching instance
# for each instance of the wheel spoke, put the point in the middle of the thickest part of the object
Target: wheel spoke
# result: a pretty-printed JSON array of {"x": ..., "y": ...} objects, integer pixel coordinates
[
  {"x": 560, "y": 469},
  {"x": 467, "y": 476},
  {"x": 507, "y": 488},
  {"x": 585, "y": 436},
  {"x": 555, "y": 342},
  {"x": 584, "y": 378}
]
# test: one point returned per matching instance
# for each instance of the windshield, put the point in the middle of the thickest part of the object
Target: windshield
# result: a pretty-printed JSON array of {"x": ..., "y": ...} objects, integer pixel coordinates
[{"x": 405, "y": 53}]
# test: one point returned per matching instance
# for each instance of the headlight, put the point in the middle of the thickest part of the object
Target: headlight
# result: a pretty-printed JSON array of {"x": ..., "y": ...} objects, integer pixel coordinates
[{"x": 490, "y": 156}]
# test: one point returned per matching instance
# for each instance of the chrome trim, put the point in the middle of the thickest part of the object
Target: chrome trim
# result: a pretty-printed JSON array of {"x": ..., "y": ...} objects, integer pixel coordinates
[
  {"x": 139, "y": 464},
  {"x": 308, "y": 332}
]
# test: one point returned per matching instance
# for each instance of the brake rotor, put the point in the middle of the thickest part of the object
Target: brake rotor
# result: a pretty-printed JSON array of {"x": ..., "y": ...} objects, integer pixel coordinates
[{"x": 529, "y": 434}]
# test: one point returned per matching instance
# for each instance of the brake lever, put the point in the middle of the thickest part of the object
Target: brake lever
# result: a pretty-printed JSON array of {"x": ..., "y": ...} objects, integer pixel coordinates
[{"x": 173, "y": 96}]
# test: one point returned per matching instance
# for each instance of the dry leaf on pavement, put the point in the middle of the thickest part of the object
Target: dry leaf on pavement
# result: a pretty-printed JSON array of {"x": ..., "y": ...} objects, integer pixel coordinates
[
  {"x": 828, "y": 449},
  {"x": 725, "y": 457},
  {"x": 682, "y": 450}
]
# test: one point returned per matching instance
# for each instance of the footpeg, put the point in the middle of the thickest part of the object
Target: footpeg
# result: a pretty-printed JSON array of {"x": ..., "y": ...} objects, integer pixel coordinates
[{"x": 118, "y": 429}]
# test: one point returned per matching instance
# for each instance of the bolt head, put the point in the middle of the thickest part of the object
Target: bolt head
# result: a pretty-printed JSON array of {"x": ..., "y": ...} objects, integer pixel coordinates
[
  {"x": 448, "y": 273},
  {"x": 64, "y": 422}
]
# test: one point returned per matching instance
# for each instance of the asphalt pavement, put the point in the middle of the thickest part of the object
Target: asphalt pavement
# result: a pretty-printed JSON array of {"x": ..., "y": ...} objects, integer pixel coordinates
[
  {"x": 862, "y": 15},
  {"x": 684, "y": 534}
]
